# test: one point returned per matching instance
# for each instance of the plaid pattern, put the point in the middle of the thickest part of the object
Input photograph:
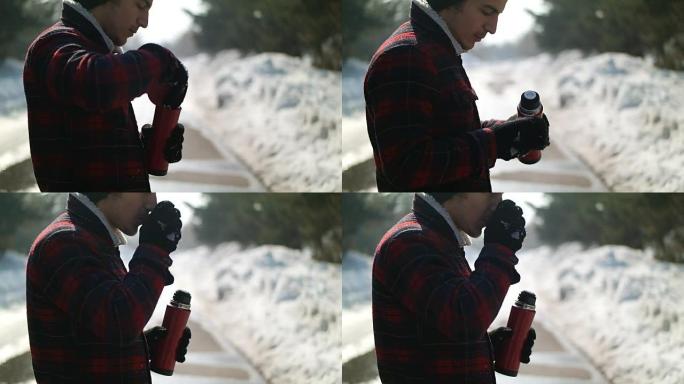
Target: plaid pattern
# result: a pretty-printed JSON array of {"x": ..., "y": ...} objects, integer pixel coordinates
[
  {"x": 82, "y": 128},
  {"x": 430, "y": 311},
  {"x": 421, "y": 114},
  {"x": 85, "y": 312}
]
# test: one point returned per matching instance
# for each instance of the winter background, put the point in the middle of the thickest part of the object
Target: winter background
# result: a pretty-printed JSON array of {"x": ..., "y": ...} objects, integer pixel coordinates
[
  {"x": 276, "y": 115},
  {"x": 277, "y": 306},
  {"x": 618, "y": 307},
  {"x": 618, "y": 115}
]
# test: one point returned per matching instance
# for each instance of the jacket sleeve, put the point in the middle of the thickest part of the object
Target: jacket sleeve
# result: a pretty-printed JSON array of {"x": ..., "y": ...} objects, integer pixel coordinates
[
  {"x": 82, "y": 285},
  {"x": 93, "y": 81},
  {"x": 401, "y": 106},
  {"x": 461, "y": 307}
]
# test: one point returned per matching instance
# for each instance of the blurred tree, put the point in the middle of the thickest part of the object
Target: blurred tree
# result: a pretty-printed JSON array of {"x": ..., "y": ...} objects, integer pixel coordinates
[
  {"x": 634, "y": 220},
  {"x": 636, "y": 27},
  {"x": 20, "y": 23},
  {"x": 292, "y": 220},
  {"x": 368, "y": 216},
  {"x": 24, "y": 216},
  {"x": 294, "y": 27},
  {"x": 367, "y": 23}
]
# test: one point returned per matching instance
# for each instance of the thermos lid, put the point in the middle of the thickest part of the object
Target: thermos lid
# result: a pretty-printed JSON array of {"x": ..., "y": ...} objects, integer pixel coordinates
[
  {"x": 530, "y": 100},
  {"x": 182, "y": 297},
  {"x": 528, "y": 298}
]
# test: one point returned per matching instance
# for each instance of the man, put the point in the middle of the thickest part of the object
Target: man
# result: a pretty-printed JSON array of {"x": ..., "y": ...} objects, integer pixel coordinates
[
  {"x": 430, "y": 310},
  {"x": 422, "y": 119},
  {"x": 85, "y": 312},
  {"x": 79, "y": 85}
]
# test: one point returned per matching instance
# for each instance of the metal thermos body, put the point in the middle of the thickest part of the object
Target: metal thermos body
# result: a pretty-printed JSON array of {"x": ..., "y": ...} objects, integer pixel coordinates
[
  {"x": 530, "y": 106},
  {"x": 175, "y": 320},
  {"x": 507, "y": 358},
  {"x": 165, "y": 121}
]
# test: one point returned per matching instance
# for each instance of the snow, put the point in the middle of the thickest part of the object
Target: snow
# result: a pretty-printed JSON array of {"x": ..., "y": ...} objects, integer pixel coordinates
[
  {"x": 618, "y": 306},
  {"x": 278, "y": 113},
  {"x": 277, "y": 305},
  {"x": 618, "y": 113},
  {"x": 13, "y": 333}
]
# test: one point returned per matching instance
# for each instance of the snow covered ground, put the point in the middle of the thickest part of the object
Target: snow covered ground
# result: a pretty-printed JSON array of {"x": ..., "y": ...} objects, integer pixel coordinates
[
  {"x": 619, "y": 113},
  {"x": 277, "y": 305},
  {"x": 617, "y": 305},
  {"x": 13, "y": 333},
  {"x": 278, "y": 113}
]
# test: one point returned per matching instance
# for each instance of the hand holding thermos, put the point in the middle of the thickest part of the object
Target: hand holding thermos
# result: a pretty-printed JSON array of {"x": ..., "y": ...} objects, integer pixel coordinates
[{"x": 525, "y": 136}]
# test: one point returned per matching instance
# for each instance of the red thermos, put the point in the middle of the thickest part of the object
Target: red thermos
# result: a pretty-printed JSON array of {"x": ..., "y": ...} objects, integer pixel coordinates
[
  {"x": 165, "y": 121},
  {"x": 530, "y": 106},
  {"x": 520, "y": 320},
  {"x": 175, "y": 320}
]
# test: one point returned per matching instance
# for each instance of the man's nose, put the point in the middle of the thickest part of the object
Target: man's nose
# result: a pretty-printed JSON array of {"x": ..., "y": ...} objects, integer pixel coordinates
[
  {"x": 491, "y": 24},
  {"x": 144, "y": 19}
]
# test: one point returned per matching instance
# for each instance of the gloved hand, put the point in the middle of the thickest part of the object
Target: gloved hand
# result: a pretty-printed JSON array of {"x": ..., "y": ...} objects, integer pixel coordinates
[
  {"x": 501, "y": 334},
  {"x": 172, "y": 85},
  {"x": 173, "y": 150},
  {"x": 162, "y": 227},
  {"x": 506, "y": 226},
  {"x": 156, "y": 334},
  {"x": 517, "y": 137}
]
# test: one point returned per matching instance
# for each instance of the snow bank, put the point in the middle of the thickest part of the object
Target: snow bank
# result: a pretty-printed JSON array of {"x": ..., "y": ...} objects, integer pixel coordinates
[
  {"x": 619, "y": 305},
  {"x": 277, "y": 305},
  {"x": 13, "y": 329},
  {"x": 619, "y": 113},
  {"x": 278, "y": 113},
  {"x": 11, "y": 86}
]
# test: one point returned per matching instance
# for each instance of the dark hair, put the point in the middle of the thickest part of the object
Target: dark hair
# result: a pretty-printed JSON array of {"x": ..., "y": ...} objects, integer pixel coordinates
[
  {"x": 439, "y": 5},
  {"x": 90, "y": 4},
  {"x": 95, "y": 197}
]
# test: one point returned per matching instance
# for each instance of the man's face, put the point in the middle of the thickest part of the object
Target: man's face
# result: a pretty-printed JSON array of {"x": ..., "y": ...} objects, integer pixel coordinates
[
  {"x": 120, "y": 19},
  {"x": 127, "y": 211},
  {"x": 473, "y": 20},
  {"x": 471, "y": 211}
]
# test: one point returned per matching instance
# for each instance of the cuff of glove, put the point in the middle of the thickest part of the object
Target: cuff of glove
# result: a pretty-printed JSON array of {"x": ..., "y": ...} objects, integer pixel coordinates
[
  {"x": 491, "y": 147},
  {"x": 501, "y": 257}
]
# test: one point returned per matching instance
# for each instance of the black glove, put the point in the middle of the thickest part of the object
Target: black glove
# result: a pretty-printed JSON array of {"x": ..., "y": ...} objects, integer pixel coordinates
[
  {"x": 506, "y": 226},
  {"x": 501, "y": 334},
  {"x": 179, "y": 87},
  {"x": 517, "y": 137},
  {"x": 162, "y": 227},
  {"x": 155, "y": 334},
  {"x": 172, "y": 85},
  {"x": 173, "y": 151}
]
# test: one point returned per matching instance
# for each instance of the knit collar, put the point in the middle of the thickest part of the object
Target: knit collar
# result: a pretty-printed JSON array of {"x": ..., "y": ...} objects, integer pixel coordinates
[
  {"x": 462, "y": 238},
  {"x": 116, "y": 235},
  {"x": 425, "y": 7},
  {"x": 91, "y": 19}
]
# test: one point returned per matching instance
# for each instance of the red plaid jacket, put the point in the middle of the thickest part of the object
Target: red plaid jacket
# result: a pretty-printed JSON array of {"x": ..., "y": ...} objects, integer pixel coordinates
[
  {"x": 82, "y": 129},
  {"x": 421, "y": 114},
  {"x": 85, "y": 312},
  {"x": 430, "y": 311}
]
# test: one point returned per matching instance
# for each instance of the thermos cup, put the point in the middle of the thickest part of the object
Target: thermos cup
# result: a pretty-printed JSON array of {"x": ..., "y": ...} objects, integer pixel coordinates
[
  {"x": 530, "y": 106},
  {"x": 175, "y": 321},
  {"x": 520, "y": 320},
  {"x": 165, "y": 121}
]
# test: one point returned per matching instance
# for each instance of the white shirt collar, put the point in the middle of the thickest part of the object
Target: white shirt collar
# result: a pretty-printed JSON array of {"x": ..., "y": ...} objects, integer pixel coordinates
[
  {"x": 117, "y": 236},
  {"x": 423, "y": 4},
  {"x": 89, "y": 16},
  {"x": 462, "y": 237}
]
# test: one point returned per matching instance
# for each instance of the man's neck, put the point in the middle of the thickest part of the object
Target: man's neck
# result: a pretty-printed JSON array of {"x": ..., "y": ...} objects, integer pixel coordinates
[
  {"x": 461, "y": 236},
  {"x": 425, "y": 6},
  {"x": 93, "y": 20},
  {"x": 115, "y": 234}
]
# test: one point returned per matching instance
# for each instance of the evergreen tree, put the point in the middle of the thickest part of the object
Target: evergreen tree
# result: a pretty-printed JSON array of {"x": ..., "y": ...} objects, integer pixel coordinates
[
  {"x": 292, "y": 220},
  {"x": 294, "y": 27}
]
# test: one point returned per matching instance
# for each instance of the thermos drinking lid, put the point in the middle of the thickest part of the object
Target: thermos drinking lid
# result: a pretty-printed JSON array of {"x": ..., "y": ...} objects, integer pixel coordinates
[
  {"x": 526, "y": 299},
  {"x": 182, "y": 297},
  {"x": 529, "y": 100}
]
